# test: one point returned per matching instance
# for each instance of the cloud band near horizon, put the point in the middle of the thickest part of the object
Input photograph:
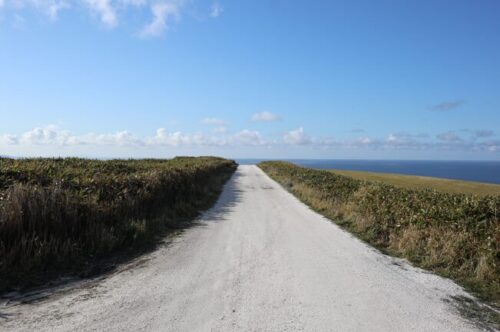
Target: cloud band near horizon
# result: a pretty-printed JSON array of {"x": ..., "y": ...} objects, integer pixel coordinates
[{"x": 55, "y": 136}]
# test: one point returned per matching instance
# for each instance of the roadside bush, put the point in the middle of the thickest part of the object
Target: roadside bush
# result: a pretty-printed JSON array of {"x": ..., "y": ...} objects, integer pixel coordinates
[
  {"x": 456, "y": 235},
  {"x": 61, "y": 214}
]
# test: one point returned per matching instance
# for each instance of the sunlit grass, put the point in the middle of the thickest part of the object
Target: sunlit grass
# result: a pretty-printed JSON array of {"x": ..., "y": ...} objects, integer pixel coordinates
[{"x": 424, "y": 182}]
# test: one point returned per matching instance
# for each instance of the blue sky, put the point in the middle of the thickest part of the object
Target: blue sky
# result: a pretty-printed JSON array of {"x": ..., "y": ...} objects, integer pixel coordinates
[{"x": 257, "y": 79}]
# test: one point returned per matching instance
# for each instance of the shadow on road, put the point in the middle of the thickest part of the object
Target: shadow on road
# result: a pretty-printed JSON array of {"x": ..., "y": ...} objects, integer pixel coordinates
[{"x": 229, "y": 198}]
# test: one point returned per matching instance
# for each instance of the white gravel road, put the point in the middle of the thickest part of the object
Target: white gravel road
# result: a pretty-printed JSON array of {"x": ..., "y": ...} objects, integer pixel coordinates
[{"x": 257, "y": 261}]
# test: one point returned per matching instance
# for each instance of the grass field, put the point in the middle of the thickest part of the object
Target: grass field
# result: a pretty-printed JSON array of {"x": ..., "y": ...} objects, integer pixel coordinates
[
  {"x": 61, "y": 216},
  {"x": 424, "y": 182},
  {"x": 456, "y": 235}
]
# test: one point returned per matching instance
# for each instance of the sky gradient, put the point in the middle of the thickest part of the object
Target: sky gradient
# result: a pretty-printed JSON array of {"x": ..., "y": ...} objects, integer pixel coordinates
[{"x": 250, "y": 79}]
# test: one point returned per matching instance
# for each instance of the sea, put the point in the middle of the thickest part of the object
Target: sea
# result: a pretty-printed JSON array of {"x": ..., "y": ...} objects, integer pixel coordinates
[{"x": 479, "y": 171}]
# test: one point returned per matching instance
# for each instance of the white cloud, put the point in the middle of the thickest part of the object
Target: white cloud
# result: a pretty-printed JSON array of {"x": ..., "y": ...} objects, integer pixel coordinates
[
  {"x": 44, "y": 135},
  {"x": 216, "y": 10},
  {"x": 402, "y": 138},
  {"x": 365, "y": 140},
  {"x": 392, "y": 138},
  {"x": 105, "y": 10},
  {"x": 220, "y": 129},
  {"x": 220, "y": 125},
  {"x": 50, "y": 8},
  {"x": 296, "y": 137},
  {"x": 55, "y": 7},
  {"x": 121, "y": 138},
  {"x": 165, "y": 138},
  {"x": 248, "y": 137},
  {"x": 9, "y": 140},
  {"x": 109, "y": 12},
  {"x": 53, "y": 135},
  {"x": 265, "y": 117},
  {"x": 161, "y": 12}
]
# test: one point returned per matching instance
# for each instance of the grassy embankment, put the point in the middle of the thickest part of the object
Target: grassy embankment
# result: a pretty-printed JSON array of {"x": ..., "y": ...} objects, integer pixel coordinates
[
  {"x": 62, "y": 216},
  {"x": 425, "y": 182},
  {"x": 455, "y": 235}
]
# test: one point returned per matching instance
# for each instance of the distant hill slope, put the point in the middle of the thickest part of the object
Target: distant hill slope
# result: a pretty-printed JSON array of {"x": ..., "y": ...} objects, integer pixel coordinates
[{"x": 425, "y": 182}]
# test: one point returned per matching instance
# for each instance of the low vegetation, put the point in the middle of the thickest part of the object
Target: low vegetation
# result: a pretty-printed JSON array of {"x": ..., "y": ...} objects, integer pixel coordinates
[
  {"x": 61, "y": 215},
  {"x": 425, "y": 182},
  {"x": 456, "y": 235}
]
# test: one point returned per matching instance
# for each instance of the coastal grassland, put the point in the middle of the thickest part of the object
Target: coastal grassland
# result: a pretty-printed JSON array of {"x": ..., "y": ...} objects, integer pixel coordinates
[
  {"x": 455, "y": 235},
  {"x": 60, "y": 216},
  {"x": 424, "y": 182}
]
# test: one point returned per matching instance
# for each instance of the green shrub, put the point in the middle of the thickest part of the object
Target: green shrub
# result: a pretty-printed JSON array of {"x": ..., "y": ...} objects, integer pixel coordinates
[
  {"x": 59, "y": 214},
  {"x": 456, "y": 235}
]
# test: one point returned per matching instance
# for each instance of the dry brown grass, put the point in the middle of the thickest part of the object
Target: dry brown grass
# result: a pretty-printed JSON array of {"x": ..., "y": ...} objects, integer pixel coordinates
[{"x": 61, "y": 215}]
